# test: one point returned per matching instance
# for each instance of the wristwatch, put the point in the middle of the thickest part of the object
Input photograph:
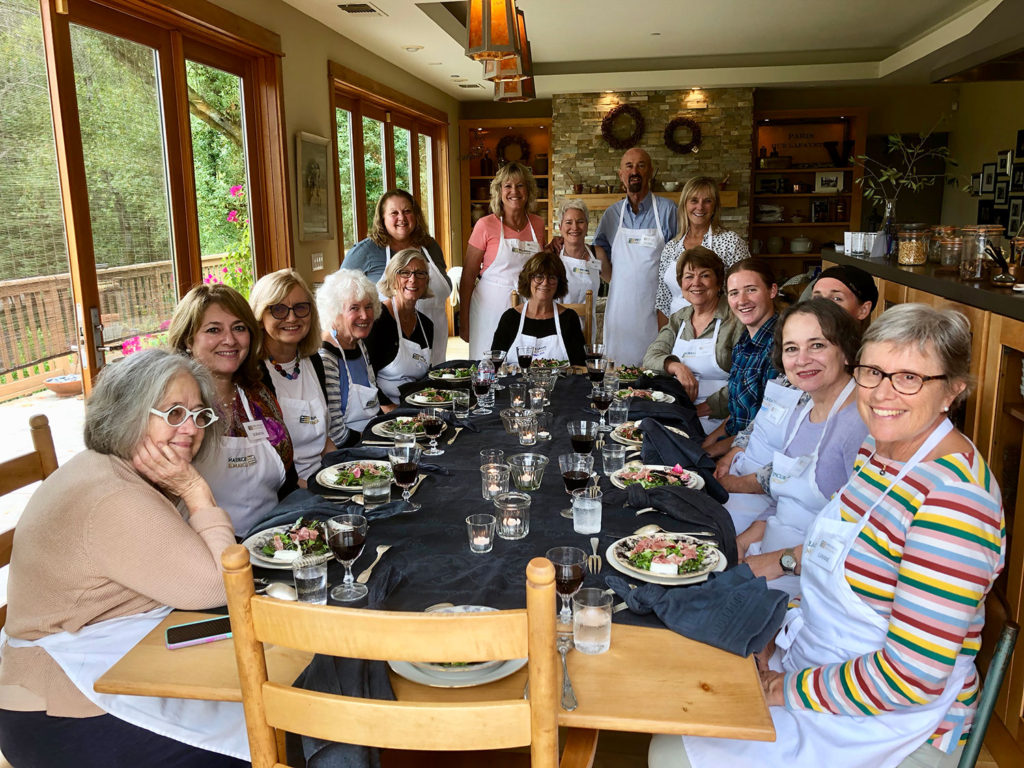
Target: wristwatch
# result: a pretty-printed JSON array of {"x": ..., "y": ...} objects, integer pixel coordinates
[{"x": 788, "y": 562}]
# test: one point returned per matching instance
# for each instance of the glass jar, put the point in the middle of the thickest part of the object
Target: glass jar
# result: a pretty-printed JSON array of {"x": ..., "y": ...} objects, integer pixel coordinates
[
  {"x": 913, "y": 245},
  {"x": 939, "y": 233},
  {"x": 950, "y": 251},
  {"x": 972, "y": 259}
]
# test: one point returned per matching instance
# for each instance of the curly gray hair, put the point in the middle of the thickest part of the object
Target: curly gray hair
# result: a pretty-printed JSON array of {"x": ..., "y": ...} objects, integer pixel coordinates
[{"x": 342, "y": 288}]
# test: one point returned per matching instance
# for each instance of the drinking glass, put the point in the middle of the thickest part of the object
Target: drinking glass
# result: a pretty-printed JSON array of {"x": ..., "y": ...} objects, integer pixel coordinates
[
  {"x": 538, "y": 398},
  {"x": 346, "y": 535},
  {"x": 595, "y": 369},
  {"x": 524, "y": 356},
  {"x": 492, "y": 456},
  {"x": 433, "y": 426},
  {"x": 493, "y": 480},
  {"x": 518, "y": 392},
  {"x": 592, "y": 621},
  {"x": 593, "y": 352},
  {"x": 586, "y": 510},
  {"x": 480, "y": 529},
  {"x": 376, "y": 491},
  {"x": 460, "y": 404},
  {"x": 405, "y": 464},
  {"x": 602, "y": 397},
  {"x": 582, "y": 435},
  {"x": 618, "y": 412},
  {"x": 543, "y": 425},
  {"x": 614, "y": 457},
  {"x": 497, "y": 357},
  {"x": 576, "y": 469},
  {"x": 568, "y": 562},
  {"x": 483, "y": 381},
  {"x": 528, "y": 428},
  {"x": 404, "y": 439},
  {"x": 310, "y": 576}
]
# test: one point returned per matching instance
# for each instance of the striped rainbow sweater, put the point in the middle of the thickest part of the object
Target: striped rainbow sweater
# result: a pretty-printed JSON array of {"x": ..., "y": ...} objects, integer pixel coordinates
[{"x": 925, "y": 562}]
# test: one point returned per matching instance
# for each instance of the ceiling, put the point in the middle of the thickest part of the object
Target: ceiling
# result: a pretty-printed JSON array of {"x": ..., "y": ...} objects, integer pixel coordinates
[{"x": 597, "y": 45}]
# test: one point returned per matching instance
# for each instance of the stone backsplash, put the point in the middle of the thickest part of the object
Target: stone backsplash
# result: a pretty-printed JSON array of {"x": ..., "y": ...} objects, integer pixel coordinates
[{"x": 726, "y": 128}]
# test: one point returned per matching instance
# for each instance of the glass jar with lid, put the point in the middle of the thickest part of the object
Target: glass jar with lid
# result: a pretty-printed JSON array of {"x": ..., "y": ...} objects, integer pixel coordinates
[
  {"x": 972, "y": 259},
  {"x": 940, "y": 232},
  {"x": 950, "y": 251},
  {"x": 913, "y": 245}
]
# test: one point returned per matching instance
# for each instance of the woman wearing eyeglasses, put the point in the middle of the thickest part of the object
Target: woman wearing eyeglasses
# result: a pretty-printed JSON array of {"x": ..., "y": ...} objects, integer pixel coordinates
[
  {"x": 876, "y": 665},
  {"x": 292, "y": 368},
  {"x": 253, "y": 465},
  {"x": 401, "y": 337},
  {"x": 555, "y": 331},
  {"x": 103, "y": 551}
]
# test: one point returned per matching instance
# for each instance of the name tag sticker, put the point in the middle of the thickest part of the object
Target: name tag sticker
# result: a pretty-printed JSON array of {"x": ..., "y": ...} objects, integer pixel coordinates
[
  {"x": 372, "y": 403},
  {"x": 825, "y": 552},
  {"x": 418, "y": 357},
  {"x": 773, "y": 411},
  {"x": 304, "y": 419},
  {"x": 256, "y": 430}
]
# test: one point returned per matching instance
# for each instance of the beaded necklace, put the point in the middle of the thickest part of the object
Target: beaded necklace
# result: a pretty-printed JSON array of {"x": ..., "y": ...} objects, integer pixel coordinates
[{"x": 280, "y": 369}]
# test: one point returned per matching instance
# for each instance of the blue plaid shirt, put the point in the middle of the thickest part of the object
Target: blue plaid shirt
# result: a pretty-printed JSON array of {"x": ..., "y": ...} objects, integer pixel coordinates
[{"x": 751, "y": 371}]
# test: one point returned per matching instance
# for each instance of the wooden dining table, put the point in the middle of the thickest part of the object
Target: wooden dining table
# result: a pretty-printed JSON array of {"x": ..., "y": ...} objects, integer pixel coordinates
[{"x": 652, "y": 680}]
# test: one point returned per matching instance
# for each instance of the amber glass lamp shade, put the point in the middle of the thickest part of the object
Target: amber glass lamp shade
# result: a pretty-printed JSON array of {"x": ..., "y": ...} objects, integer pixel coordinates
[
  {"x": 491, "y": 29},
  {"x": 512, "y": 67}
]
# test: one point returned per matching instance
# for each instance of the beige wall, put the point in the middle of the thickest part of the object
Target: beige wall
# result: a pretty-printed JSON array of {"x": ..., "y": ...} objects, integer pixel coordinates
[{"x": 308, "y": 46}]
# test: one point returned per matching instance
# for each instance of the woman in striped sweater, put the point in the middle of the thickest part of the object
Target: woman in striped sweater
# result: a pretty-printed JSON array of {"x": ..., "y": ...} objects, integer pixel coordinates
[{"x": 876, "y": 665}]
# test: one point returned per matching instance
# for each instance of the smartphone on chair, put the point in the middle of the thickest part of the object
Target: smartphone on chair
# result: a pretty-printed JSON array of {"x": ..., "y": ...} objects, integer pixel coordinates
[{"x": 197, "y": 632}]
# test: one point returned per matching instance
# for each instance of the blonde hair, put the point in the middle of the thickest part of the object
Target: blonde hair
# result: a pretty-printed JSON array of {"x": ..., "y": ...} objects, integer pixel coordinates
[
  {"x": 505, "y": 173},
  {"x": 691, "y": 187},
  {"x": 273, "y": 289}
]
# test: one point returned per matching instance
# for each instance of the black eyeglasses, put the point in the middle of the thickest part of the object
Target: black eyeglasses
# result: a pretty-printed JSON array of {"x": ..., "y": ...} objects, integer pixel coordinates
[
  {"x": 545, "y": 278},
  {"x": 280, "y": 311},
  {"x": 419, "y": 274},
  {"x": 904, "y": 382},
  {"x": 177, "y": 415}
]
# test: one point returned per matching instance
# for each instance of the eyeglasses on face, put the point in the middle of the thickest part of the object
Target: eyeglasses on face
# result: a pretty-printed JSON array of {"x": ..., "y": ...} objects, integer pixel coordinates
[
  {"x": 544, "y": 278},
  {"x": 177, "y": 415},
  {"x": 280, "y": 311},
  {"x": 904, "y": 382},
  {"x": 419, "y": 274}
]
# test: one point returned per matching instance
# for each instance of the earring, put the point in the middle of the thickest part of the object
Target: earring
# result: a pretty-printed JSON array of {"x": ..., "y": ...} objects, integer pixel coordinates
[{"x": 946, "y": 409}]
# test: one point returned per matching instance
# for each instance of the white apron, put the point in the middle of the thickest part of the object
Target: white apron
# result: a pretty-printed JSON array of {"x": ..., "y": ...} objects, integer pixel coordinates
[
  {"x": 699, "y": 356},
  {"x": 767, "y": 438},
  {"x": 630, "y": 320},
  {"x": 493, "y": 290},
  {"x": 798, "y": 500},
  {"x": 244, "y": 473},
  {"x": 305, "y": 417},
  {"x": 362, "y": 403},
  {"x": 582, "y": 276},
  {"x": 669, "y": 278},
  {"x": 434, "y": 307},
  {"x": 218, "y": 726},
  {"x": 834, "y": 625},
  {"x": 412, "y": 362},
  {"x": 550, "y": 347}
]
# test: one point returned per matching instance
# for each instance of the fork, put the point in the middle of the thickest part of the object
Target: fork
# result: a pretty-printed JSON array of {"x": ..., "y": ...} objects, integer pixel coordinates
[
  {"x": 364, "y": 577},
  {"x": 594, "y": 560},
  {"x": 563, "y": 644},
  {"x": 456, "y": 434}
]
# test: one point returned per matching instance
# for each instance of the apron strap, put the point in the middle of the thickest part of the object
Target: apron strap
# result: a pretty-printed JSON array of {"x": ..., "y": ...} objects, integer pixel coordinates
[
  {"x": 805, "y": 413},
  {"x": 245, "y": 403}
]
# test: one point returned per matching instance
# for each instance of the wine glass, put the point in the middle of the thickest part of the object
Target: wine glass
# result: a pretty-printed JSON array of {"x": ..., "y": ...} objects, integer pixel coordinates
[
  {"x": 483, "y": 380},
  {"x": 576, "y": 469},
  {"x": 433, "y": 426},
  {"x": 346, "y": 535},
  {"x": 405, "y": 464},
  {"x": 595, "y": 370},
  {"x": 582, "y": 434},
  {"x": 602, "y": 397},
  {"x": 593, "y": 352},
  {"x": 568, "y": 562},
  {"x": 524, "y": 356},
  {"x": 496, "y": 356}
]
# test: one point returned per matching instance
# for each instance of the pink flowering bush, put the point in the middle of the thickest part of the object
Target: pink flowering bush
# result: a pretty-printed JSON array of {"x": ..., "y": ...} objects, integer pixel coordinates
[
  {"x": 135, "y": 344},
  {"x": 236, "y": 268}
]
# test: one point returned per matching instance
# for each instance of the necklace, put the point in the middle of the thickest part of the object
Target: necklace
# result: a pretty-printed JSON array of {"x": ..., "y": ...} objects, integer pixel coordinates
[{"x": 290, "y": 376}]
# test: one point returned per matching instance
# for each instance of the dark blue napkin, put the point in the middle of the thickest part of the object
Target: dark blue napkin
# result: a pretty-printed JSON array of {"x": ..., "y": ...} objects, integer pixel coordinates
[
  {"x": 694, "y": 509},
  {"x": 350, "y": 677},
  {"x": 663, "y": 446},
  {"x": 306, "y": 504},
  {"x": 733, "y": 610}
]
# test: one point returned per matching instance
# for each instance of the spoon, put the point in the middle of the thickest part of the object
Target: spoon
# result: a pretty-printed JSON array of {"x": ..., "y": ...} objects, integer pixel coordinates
[
  {"x": 564, "y": 643},
  {"x": 364, "y": 577}
]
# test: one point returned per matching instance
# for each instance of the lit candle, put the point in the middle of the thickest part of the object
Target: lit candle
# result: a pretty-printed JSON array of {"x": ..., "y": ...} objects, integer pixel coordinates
[
  {"x": 481, "y": 541},
  {"x": 493, "y": 487}
]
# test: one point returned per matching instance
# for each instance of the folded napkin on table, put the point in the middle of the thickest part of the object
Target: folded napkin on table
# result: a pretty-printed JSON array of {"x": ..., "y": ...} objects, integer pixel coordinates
[
  {"x": 663, "y": 446},
  {"x": 694, "y": 509},
  {"x": 349, "y": 677},
  {"x": 306, "y": 504},
  {"x": 681, "y": 413},
  {"x": 733, "y": 610}
]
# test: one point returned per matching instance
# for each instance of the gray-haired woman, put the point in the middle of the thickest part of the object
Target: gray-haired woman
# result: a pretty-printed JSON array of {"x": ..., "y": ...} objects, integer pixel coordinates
[
  {"x": 498, "y": 249},
  {"x": 102, "y": 553},
  {"x": 402, "y": 334},
  {"x": 876, "y": 665},
  {"x": 582, "y": 269},
  {"x": 349, "y": 306}
]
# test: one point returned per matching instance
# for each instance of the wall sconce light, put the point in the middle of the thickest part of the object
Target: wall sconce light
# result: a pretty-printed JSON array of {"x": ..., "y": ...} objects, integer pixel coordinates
[
  {"x": 491, "y": 30},
  {"x": 696, "y": 99}
]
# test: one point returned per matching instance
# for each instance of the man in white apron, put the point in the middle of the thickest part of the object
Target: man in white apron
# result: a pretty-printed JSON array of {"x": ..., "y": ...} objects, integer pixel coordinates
[
  {"x": 632, "y": 241},
  {"x": 492, "y": 293},
  {"x": 434, "y": 307}
]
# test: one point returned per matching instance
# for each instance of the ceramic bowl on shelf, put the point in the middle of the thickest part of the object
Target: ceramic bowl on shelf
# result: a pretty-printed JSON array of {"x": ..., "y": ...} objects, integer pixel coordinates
[
  {"x": 670, "y": 186},
  {"x": 800, "y": 244}
]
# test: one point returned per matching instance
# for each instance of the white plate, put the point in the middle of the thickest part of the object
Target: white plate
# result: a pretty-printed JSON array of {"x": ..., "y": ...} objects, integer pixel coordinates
[
  {"x": 383, "y": 429},
  {"x": 694, "y": 480},
  {"x": 457, "y": 673},
  {"x": 654, "y": 578},
  {"x": 439, "y": 375},
  {"x": 462, "y": 680},
  {"x": 416, "y": 399},
  {"x": 656, "y": 396},
  {"x": 255, "y": 542},
  {"x": 324, "y": 475},
  {"x": 618, "y": 437}
]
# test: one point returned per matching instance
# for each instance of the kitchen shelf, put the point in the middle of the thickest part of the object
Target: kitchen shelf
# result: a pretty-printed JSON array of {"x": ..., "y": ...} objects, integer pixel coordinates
[
  {"x": 780, "y": 224},
  {"x": 758, "y": 195},
  {"x": 792, "y": 169}
]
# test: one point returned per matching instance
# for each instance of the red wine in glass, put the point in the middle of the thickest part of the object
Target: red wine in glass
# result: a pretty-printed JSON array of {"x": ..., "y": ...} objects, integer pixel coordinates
[
  {"x": 405, "y": 472},
  {"x": 575, "y": 479},
  {"x": 568, "y": 579},
  {"x": 347, "y": 545},
  {"x": 481, "y": 387},
  {"x": 602, "y": 399},
  {"x": 524, "y": 360},
  {"x": 594, "y": 372},
  {"x": 434, "y": 426},
  {"x": 582, "y": 443}
]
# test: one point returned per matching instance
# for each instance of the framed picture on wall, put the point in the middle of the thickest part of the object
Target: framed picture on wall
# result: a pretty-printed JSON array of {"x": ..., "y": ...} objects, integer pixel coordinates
[
  {"x": 1020, "y": 143},
  {"x": 1004, "y": 162},
  {"x": 986, "y": 212},
  {"x": 313, "y": 186},
  {"x": 1002, "y": 193},
  {"x": 988, "y": 178},
  {"x": 1017, "y": 178},
  {"x": 975, "y": 184},
  {"x": 1016, "y": 214},
  {"x": 828, "y": 181}
]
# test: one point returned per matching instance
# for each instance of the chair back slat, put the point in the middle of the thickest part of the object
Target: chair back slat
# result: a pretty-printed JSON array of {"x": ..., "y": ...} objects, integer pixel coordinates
[
  {"x": 585, "y": 310},
  {"x": 989, "y": 694},
  {"x": 398, "y": 725}
]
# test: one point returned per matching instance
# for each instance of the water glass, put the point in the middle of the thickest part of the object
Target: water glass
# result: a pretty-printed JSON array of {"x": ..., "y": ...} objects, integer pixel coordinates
[
  {"x": 492, "y": 456},
  {"x": 480, "y": 529},
  {"x": 618, "y": 412},
  {"x": 592, "y": 621},
  {"x": 404, "y": 440},
  {"x": 586, "y": 510},
  {"x": 310, "y": 575},
  {"x": 857, "y": 245},
  {"x": 376, "y": 491},
  {"x": 538, "y": 398},
  {"x": 613, "y": 457},
  {"x": 528, "y": 428},
  {"x": 460, "y": 404},
  {"x": 518, "y": 393},
  {"x": 493, "y": 480},
  {"x": 527, "y": 470},
  {"x": 512, "y": 510}
]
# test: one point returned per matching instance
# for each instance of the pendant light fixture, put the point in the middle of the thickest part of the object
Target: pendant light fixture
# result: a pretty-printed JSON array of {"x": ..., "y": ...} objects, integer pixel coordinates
[
  {"x": 515, "y": 90},
  {"x": 512, "y": 67},
  {"x": 491, "y": 29}
]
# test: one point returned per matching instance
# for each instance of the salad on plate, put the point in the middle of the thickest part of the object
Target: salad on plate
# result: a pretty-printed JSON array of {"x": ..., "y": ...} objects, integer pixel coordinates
[
  {"x": 431, "y": 395},
  {"x": 655, "y": 476},
  {"x": 452, "y": 374},
  {"x": 287, "y": 543},
  {"x": 667, "y": 554},
  {"x": 628, "y": 432},
  {"x": 353, "y": 472}
]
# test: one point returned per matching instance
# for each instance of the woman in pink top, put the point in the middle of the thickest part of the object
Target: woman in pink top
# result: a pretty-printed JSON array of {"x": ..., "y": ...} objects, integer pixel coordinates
[{"x": 498, "y": 248}]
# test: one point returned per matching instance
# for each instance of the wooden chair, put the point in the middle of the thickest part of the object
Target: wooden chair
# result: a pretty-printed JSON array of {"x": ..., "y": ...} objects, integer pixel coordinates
[
  {"x": 989, "y": 693},
  {"x": 21, "y": 471},
  {"x": 370, "y": 634},
  {"x": 585, "y": 310}
]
